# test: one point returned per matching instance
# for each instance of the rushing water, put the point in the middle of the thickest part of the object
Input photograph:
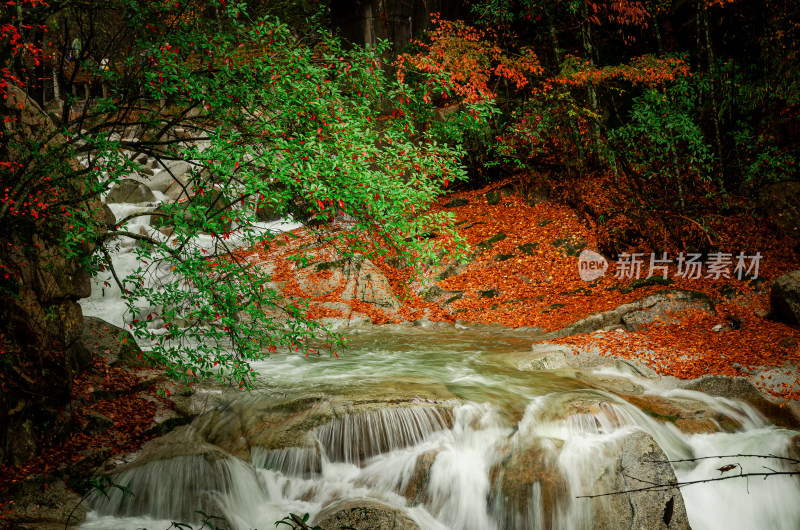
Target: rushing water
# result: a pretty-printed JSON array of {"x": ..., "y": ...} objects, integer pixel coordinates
[
  {"x": 470, "y": 411},
  {"x": 442, "y": 425}
]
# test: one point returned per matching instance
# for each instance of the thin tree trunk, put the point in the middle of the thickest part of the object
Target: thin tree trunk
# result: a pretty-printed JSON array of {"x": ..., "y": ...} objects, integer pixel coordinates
[
  {"x": 556, "y": 47},
  {"x": 659, "y": 41},
  {"x": 594, "y": 105},
  {"x": 711, "y": 69}
]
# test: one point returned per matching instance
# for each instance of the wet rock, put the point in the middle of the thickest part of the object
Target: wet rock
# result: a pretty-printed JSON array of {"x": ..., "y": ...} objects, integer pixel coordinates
[
  {"x": 130, "y": 191},
  {"x": 547, "y": 357},
  {"x": 529, "y": 488},
  {"x": 416, "y": 490},
  {"x": 640, "y": 462},
  {"x": 382, "y": 418},
  {"x": 362, "y": 514},
  {"x": 743, "y": 389},
  {"x": 610, "y": 383},
  {"x": 170, "y": 480},
  {"x": 107, "y": 340},
  {"x": 784, "y": 297},
  {"x": 45, "y": 504},
  {"x": 691, "y": 417}
]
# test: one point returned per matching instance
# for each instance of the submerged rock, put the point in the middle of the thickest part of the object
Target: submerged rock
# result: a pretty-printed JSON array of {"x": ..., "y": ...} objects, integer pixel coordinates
[
  {"x": 347, "y": 430},
  {"x": 172, "y": 480},
  {"x": 363, "y": 514},
  {"x": 640, "y": 462}
]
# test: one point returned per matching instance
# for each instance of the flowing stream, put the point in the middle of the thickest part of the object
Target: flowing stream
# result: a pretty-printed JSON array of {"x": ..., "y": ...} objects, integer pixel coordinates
[
  {"x": 448, "y": 427},
  {"x": 480, "y": 411}
]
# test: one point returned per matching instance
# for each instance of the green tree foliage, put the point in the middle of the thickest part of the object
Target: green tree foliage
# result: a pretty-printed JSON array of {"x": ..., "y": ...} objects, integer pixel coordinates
[
  {"x": 661, "y": 142},
  {"x": 263, "y": 118}
]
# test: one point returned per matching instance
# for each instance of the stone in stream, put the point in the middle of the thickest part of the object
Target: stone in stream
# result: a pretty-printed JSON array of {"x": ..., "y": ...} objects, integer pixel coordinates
[
  {"x": 528, "y": 488},
  {"x": 363, "y": 514},
  {"x": 170, "y": 480},
  {"x": 639, "y": 463},
  {"x": 347, "y": 429},
  {"x": 741, "y": 388},
  {"x": 416, "y": 490},
  {"x": 130, "y": 191}
]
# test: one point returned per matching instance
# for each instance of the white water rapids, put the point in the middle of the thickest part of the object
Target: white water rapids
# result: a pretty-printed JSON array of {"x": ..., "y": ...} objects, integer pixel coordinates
[{"x": 438, "y": 461}]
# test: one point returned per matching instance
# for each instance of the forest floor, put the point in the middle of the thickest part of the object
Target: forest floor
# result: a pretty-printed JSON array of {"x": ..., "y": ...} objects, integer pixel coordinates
[
  {"x": 523, "y": 273},
  {"x": 541, "y": 287}
]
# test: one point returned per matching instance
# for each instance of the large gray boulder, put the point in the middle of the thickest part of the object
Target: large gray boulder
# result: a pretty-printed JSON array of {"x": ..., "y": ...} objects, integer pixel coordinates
[
  {"x": 186, "y": 470},
  {"x": 130, "y": 191},
  {"x": 640, "y": 462},
  {"x": 661, "y": 306},
  {"x": 363, "y": 514},
  {"x": 367, "y": 283},
  {"x": 107, "y": 340},
  {"x": 784, "y": 296}
]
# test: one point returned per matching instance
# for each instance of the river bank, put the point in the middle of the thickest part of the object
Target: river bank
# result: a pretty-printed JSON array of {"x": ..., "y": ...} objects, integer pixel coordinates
[{"x": 523, "y": 288}]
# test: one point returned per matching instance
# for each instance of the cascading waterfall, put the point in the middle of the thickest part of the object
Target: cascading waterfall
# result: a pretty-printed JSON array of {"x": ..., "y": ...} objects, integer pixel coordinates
[
  {"x": 355, "y": 438},
  {"x": 473, "y": 470}
]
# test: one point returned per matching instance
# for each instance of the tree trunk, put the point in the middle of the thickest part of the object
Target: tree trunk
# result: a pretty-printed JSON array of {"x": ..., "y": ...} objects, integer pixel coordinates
[{"x": 711, "y": 70}]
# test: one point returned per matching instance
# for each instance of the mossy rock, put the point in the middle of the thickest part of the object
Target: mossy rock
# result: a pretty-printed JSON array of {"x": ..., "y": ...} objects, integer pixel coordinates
[
  {"x": 457, "y": 296},
  {"x": 331, "y": 265},
  {"x": 493, "y": 198},
  {"x": 486, "y": 244},
  {"x": 503, "y": 257},
  {"x": 432, "y": 294},
  {"x": 544, "y": 222},
  {"x": 455, "y": 203},
  {"x": 646, "y": 282},
  {"x": 529, "y": 248},
  {"x": 570, "y": 247},
  {"x": 489, "y": 293}
]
